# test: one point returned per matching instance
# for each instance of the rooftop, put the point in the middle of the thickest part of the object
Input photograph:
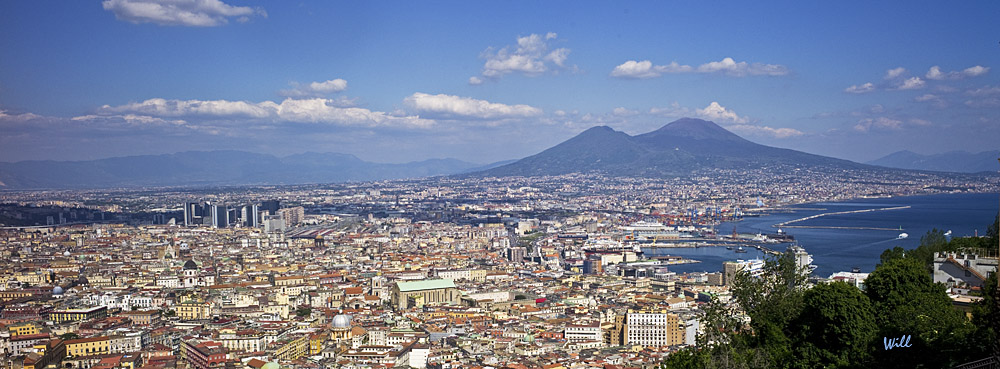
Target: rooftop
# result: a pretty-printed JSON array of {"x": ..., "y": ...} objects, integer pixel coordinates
[{"x": 430, "y": 284}]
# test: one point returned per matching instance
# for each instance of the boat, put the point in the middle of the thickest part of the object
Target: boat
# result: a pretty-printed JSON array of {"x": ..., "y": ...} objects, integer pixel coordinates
[
  {"x": 729, "y": 247},
  {"x": 855, "y": 270},
  {"x": 740, "y": 250},
  {"x": 902, "y": 236}
]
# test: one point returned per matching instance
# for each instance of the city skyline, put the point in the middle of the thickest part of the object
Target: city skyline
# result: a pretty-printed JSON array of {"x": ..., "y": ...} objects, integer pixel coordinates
[{"x": 397, "y": 82}]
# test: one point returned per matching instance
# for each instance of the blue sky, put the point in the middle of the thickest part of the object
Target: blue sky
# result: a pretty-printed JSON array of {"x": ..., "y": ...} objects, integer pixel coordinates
[{"x": 488, "y": 81}]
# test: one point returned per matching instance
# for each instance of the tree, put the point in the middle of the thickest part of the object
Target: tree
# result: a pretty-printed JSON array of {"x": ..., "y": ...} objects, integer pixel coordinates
[
  {"x": 69, "y": 336},
  {"x": 836, "y": 328},
  {"x": 303, "y": 311},
  {"x": 986, "y": 318},
  {"x": 909, "y": 303},
  {"x": 890, "y": 254},
  {"x": 992, "y": 231},
  {"x": 770, "y": 300}
]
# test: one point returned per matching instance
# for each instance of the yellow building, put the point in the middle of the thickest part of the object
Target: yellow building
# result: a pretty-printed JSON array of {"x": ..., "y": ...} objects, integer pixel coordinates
[
  {"x": 192, "y": 310},
  {"x": 316, "y": 342},
  {"x": 88, "y": 346},
  {"x": 13, "y": 295},
  {"x": 48, "y": 353},
  {"x": 19, "y": 329},
  {"x": 289, "y": 280},
  {"x": 290, "y": 348},
  {"x": 72, "y": 315},
  {"x": 143, "y": 317}
]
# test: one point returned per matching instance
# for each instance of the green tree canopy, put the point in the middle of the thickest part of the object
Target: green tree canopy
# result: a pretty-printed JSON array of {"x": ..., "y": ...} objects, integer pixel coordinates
[
  {"x": 836, "y": 328},
  {"x": 908, "y": 302}
]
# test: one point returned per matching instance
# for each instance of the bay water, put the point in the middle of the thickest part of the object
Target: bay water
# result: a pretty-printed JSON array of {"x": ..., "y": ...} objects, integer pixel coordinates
[{"x": 835, "y": 250}]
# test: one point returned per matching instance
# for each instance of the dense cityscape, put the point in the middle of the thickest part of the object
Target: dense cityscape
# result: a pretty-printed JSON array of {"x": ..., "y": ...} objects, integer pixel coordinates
[{"x": 539, "y": 272}]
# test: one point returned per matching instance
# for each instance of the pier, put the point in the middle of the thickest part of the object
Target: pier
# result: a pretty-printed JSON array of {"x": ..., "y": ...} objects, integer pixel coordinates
[
  {"x": 789, "y": 223},
  {"x": 673, "y": 260}
]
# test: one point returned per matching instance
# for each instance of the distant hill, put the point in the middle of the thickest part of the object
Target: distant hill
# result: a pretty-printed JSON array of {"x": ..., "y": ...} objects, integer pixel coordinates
[
  {"x": 198, "y": 168},
  {"x": 952, "y": 161},
  {"x": 676, "y": 149}
]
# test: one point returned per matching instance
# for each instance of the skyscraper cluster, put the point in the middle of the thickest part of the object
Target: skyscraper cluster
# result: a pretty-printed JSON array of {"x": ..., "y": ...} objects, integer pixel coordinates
[{"x": 221, "y": 215}]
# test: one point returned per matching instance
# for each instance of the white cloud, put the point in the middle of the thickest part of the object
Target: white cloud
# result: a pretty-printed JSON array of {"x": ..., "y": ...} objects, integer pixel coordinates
[
  {"x": 911, "y": 83},
  {"x": 315, "y": 89},
  {"x": 894, "y": 73},
  {"x": 935, "y": 73},
  {"x": 984, "y": 91},
  {"x": 315, "y": 110},
  {"x": 195, "y": 13},
  {"x": 475, "y": 81},
  {"x": 333, "y": 85},
  {"x": 531, "y": 57},
  {"x": 977, "y": 70},
  {"x": 636, "y": 69},
  {"x": 674, "y": 110},
  {"x": 624, "y": 112},
  {"x": 989, "y": 102},
  {"x": 558, "y": 56},
  {"x": 739, "y": 69},
  {"x": 935, "y": 100},
  {"x": 457, "y": 107},
  {"x": 645, "y": 69},
  {"x": 878, "y": 124},
  {"x": 860, "y": 89},
  {"x": 719, "y": 113},
  {"x": 322, "y": 111},
  {"x": 765, "y": 131},
  {"x": 130, "y": 119},
  {"x": 727, "y": 118},
  {"x": 23, "y": 117},
  {"x": 176, "y": 108}
]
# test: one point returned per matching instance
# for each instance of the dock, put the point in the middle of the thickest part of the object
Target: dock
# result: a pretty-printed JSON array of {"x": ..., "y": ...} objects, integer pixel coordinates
[{"x": 789, "y": 223}]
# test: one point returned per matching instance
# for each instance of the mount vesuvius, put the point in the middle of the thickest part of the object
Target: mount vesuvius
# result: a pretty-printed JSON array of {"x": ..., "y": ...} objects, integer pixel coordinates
[{"x": 676, "y": 149}]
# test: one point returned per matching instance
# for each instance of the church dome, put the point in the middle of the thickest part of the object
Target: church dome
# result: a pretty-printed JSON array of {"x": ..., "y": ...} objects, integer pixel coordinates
[
  {"x": 190, "y": 265},
  {"x": 342, "y": 321},
  {"x": 57, "y": 291},
  {"x": 67, "y": 253}
]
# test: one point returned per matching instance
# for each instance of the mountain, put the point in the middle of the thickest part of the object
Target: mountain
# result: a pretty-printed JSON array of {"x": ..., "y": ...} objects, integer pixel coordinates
[
  {"x": 224, "y": 167},
  {"x": 676, "y": 149},
  {"x": 952, "y": 161}
]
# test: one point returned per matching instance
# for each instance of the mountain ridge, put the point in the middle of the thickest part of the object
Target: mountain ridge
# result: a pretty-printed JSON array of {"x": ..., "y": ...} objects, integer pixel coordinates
[
  {"x": 218, "y": 167},
  {"x": 951, "y": 161},
  {"x": 678, "y": 148}
]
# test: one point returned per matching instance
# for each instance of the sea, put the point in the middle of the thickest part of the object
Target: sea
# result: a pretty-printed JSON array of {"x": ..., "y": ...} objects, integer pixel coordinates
[{"x": 835, "y": 250}]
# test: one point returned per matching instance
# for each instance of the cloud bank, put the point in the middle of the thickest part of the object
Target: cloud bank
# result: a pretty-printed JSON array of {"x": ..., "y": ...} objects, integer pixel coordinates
[{"x": 191, "y": 13}]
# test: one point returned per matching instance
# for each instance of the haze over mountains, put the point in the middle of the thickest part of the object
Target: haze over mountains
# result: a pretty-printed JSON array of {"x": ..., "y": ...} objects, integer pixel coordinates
[
  {"x": 194, "y": 168},
  {"x": 952, "y": 161},
  {"x": 677, "y": 149}
]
